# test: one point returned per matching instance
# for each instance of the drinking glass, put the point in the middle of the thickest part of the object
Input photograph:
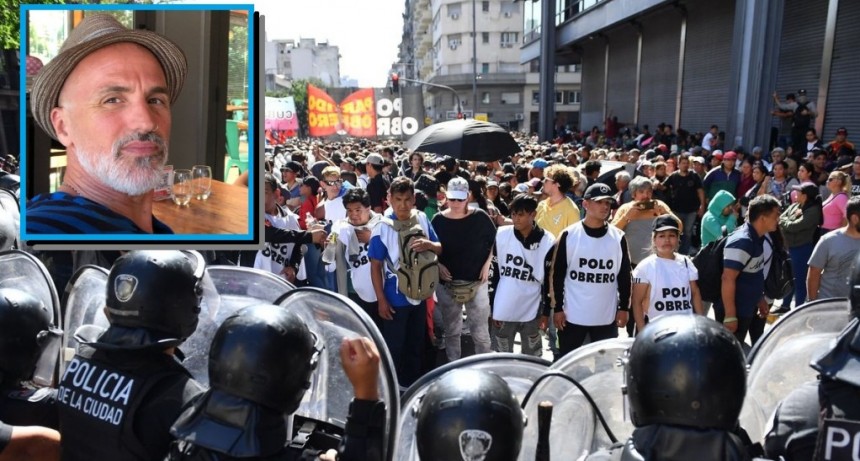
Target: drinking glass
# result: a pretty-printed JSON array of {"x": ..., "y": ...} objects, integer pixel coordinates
[
  {"x": 201, "y": 181},
  {"x": 182, "y": 187}
]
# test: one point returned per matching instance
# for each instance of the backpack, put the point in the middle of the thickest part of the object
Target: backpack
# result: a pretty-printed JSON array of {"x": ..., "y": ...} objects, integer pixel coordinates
[
  {"x": 780, "y": 279},
  {"x": 799, "y": 120},
  {"x": 418, "y": 271},
  {"x": 709, "y": 263}
]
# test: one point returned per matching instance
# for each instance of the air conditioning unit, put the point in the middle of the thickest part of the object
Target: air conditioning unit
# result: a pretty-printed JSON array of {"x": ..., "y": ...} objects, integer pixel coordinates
[
  {"x": 455, "y": 16},
  {"x": 507, "y": 45},
  {"x": 508, "y": 14},
  {"x": 453, "y": 46},
  {"x": 519, "y": 116}
]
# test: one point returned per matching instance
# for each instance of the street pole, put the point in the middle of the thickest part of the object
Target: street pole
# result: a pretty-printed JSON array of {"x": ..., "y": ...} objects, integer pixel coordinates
[
  {"x": 546, "y": 114},
  {"x": 474, "y": 58},
  {"x": 436, "y": 85}
]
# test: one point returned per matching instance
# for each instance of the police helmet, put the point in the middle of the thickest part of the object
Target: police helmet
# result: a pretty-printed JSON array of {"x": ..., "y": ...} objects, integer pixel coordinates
[
  {"x": 686, "y": 370},
  {"x": 25, "y": 323},
  {"x": 469, "y": 414},
  {"x": 159, "y": 291},
  {"x": 265, "y": 354},
  {"x": 8, "y": 231}
]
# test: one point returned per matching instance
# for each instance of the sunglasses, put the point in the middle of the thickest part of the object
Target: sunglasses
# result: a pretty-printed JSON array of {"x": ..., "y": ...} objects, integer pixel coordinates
[
  {"x": 456, "y": 200},
  {"x": 333, "y": 183}
]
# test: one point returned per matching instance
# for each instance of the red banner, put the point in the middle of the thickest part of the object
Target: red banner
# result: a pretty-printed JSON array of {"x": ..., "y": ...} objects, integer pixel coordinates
[{"x": 354, "y": 116}]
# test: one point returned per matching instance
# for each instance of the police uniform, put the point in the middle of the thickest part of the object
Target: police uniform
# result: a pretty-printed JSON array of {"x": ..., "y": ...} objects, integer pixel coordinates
[
  {"x": 672, "y": 443},
  {"x": 27, "y": 406},
  {"x": 118, "y": 404}
]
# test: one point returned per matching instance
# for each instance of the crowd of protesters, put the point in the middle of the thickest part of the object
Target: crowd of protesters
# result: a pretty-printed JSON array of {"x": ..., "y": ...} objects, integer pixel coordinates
[{"x": 530, "y": 236}]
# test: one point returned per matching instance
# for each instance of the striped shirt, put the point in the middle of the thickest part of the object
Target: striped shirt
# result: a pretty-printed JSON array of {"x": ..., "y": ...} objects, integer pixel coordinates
[
  {"x": 62, "y": 213},
  {"x": 745, "y": 253}
]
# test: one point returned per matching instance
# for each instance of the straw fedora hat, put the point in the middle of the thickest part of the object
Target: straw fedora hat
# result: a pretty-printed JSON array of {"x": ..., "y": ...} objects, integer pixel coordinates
[{"x": 93, "y": 33}]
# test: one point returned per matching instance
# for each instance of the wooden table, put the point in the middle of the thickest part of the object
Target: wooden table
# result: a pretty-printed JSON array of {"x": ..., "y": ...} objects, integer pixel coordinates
[{"x": 224, "y": 212}]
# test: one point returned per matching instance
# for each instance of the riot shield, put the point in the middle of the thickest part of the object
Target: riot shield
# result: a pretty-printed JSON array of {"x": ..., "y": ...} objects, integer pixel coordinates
[
  {"x": 575, "y": 426},
  {"x": 226, "y": 289},
  {"x": 519, "y": 371},
  {"x": 779, "y": 362},
  {"x": 25, "y": 272},
  {"x": 10, "y": 221},
  {"x": 332, "y": 318}
]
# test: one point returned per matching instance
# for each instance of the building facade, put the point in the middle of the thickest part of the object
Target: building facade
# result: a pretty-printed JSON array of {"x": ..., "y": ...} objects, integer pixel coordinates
[
  {"x": 695, "y": 63},
  {"x": 292, "y": 60}
]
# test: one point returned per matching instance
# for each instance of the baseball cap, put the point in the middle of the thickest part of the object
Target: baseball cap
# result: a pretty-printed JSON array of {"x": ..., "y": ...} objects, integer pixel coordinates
[
  {"x": 598, "y": 191},
  {"x": 842, "y": 130},
  {"x": 534, "y": 182},
  {"x": 293, "y": 166},
  {"x": 540, "y": 163},
  {"x": 696, "y": 159},
  {"x": 522, "y": 187},
  {"x": 458, "y": 189},
  {"x": 492, "y": 184},
  {"x": 730, "y": 155},
  {"x": 375, "y": 159},
  {"x": 718, "y": 154},
  {"x": 666, "y": 222}
]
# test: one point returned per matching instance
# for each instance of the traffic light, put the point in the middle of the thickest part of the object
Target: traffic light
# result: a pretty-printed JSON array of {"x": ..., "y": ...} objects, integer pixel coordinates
[{"x": 395, "y": 82}]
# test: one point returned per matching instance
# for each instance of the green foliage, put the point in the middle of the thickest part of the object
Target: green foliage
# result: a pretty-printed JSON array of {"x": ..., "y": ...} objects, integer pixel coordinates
[
  {"x": 299, "y": 92},
  {"x": 10, "y": 20},
  {"x": 237, "y": 62}
]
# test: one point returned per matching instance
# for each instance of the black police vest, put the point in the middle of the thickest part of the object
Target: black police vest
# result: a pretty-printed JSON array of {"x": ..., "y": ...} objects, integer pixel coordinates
[
  {"x": 29, "y": 407},
  {"x": 99, "y": 398},
  {"x": 675, "y": 443},
  {"x": 839, "y": 429}
]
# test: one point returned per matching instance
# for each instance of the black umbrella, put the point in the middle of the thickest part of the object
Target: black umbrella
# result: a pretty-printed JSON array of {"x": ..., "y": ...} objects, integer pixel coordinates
[{"x": 465, "y": 139}]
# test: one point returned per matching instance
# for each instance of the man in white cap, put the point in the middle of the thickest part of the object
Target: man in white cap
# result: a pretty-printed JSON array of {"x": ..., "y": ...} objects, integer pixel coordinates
[{"x": 107, "y": 97}]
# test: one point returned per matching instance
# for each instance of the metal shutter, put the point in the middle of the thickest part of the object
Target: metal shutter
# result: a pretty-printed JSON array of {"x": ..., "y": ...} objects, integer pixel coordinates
[
  {"x": 843, "y": 97},
  {"x": 660, "y": 34},
  {"x": 707, "y": 65},
  {"x": 801, "y": 46},
  {"x": 622, "y": 73},
  {"x": 591, "y": 111}
]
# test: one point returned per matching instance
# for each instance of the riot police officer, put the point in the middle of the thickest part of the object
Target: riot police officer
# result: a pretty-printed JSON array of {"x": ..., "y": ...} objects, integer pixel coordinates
[
  {"x": 260, "y": 365},
  {"x": 124, "y": 388},
  {"x": 839, "y": 387},
  {"x": 25, "y": 333},
  {"x": 469, "y": 414},
  {"x": 686, "y": 381}
]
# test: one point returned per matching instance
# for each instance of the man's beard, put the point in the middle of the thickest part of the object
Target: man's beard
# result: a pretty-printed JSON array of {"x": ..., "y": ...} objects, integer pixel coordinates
[{"x": 137, "y": 177}]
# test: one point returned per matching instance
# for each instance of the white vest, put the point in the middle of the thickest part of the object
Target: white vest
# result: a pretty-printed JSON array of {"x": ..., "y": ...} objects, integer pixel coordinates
[
  {"x": 274, "y": 256},
  {"x": 591, "y": 284},
  {"x": 359, "y": 268},
  {"x": 670, "y": 284},
  {"x": 521, "y": 273}
]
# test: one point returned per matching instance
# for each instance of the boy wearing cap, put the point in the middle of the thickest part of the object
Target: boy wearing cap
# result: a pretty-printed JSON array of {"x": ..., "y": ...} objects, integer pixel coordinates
[
  {"x": 726, "y": 177},
  {"x": 589, "y": 276},
  {"x": 106, "y": 97}
]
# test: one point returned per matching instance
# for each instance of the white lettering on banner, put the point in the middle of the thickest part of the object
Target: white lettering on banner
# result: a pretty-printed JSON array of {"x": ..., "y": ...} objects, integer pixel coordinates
[
  {"x": 389, "y": 124},
  {"x": 842, "y": 440},
  {"x": 278, "y": 252},
  {"x": 100, "y": 393}
]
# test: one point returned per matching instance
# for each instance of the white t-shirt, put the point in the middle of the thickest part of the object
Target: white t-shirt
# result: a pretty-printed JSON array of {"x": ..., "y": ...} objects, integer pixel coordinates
[
  {"x": 358, "y": 265},
  {"x": 669, "y": 280},
  {"x": 334, "y": 209}
]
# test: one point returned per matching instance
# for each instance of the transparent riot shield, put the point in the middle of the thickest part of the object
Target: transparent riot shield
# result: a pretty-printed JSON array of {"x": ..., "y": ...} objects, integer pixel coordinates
[
  {"x": 332, "y": 318},
  {"x": 10, "y": 222},
  {"x": 226, "y": 290},
  {"x": 519, "y": 371},
  {"x": 25, "y": 272},
  {"x": 576, "y": 429},
  {"x": 779, "y": 362}
]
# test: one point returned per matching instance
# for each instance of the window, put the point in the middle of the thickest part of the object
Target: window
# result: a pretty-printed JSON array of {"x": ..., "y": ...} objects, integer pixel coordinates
[
  {"x": 511, "y": 98},
  {"x": 455, "y": 40},
  {"x": 558, "y": 97},
  {"x": 534, "y": 65},
  {"x": 485, "y": 68},
  {"x": 454, "y": 10},
  {"x": 485, "y": 6},
  {"x": 572, "y": 97},
  {"x": 535, "y": 97},
  {"x": 485, "y": 37},
  {"x": 509, "y": 39},
  {"x": 485, "y": 97}
]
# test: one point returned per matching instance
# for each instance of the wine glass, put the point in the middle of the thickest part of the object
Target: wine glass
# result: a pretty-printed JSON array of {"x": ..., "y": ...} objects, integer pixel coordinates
[
  {"x": 201, "y": 181},
  {"x": 182, "y": 187}
]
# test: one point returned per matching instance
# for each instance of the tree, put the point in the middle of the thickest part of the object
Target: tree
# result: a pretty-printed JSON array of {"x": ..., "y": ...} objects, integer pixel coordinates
[
  {"x": 10, "y": 24},
  {"x": 299, "y": 92}
]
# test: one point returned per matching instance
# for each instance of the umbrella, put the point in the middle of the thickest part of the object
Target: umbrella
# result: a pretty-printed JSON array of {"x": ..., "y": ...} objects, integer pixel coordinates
[{"x": 465, "y": 139}]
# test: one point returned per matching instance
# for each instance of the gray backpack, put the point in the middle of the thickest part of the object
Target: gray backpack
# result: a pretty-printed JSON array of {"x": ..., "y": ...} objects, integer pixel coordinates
[{"x": 418, "y": 271}]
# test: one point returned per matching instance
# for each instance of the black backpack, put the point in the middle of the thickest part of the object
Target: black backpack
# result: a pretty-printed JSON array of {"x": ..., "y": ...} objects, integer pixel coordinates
[
  {"x": 800, "y": 121},
  {"x": 709, "y": 263},
  {"x": 780, "y": 278}
]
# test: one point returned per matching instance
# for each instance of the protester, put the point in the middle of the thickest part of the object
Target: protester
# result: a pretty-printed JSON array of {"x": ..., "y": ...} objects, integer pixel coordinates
[
  {"x": 833, "y": 208},
  {"x": 800, "y": 223},
  {"x": 830, "y": 263}
]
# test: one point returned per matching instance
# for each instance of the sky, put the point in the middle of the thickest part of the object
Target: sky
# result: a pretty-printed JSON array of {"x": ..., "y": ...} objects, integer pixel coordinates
[{"x": 367, "y": 32}]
